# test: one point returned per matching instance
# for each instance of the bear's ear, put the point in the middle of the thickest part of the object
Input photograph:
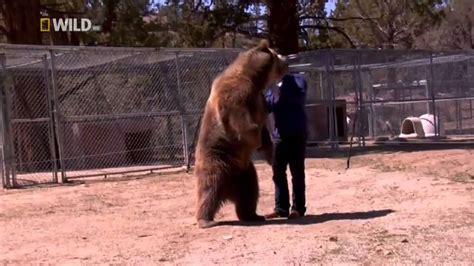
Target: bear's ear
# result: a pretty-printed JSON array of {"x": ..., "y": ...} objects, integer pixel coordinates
[{"x": 260, "y": 58}]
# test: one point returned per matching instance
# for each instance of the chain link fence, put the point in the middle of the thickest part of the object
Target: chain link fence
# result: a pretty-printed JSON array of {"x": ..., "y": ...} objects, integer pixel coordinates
[
  {"x": 78, "y": 112},
  {"x": 371, "y": 93}
]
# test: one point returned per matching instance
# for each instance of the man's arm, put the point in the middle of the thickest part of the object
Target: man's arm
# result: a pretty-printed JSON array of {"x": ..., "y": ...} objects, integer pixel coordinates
[{"x": 269, "y": 101}]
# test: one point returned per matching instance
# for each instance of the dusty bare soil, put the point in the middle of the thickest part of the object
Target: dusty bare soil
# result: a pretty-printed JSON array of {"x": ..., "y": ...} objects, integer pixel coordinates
[{"x": 415, "y": 208}]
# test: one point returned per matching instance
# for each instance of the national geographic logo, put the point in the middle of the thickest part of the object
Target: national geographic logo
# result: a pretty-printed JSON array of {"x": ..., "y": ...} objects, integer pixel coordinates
[{"x": 67, "y": 25}]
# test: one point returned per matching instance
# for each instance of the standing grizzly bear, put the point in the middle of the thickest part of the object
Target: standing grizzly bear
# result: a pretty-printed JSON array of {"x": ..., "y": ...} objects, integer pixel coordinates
[{"x": 232, "y": 129}]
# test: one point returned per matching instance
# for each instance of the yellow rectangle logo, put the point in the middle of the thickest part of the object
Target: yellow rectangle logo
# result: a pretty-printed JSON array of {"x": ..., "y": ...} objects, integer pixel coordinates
[{"x": 45, "y": 25}]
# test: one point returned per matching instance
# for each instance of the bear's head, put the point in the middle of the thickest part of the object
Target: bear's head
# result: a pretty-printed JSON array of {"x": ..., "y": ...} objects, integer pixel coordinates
[{"x": 263, "y": 64}]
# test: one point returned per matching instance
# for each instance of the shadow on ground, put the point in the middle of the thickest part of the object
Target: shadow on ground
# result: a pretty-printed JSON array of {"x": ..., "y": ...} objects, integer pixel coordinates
[{"x": 316, "y": 219}]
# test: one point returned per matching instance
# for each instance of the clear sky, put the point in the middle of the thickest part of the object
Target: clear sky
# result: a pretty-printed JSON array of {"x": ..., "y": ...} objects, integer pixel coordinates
[{"x": 330, "y": 6}]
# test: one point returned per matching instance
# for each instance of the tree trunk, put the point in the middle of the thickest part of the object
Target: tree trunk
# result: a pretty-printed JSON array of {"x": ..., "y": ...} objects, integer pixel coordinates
[
  {"x": 283, "y": 25},
  {"x": 22, "y": 21},
  {"x": 110, "y": 15}
]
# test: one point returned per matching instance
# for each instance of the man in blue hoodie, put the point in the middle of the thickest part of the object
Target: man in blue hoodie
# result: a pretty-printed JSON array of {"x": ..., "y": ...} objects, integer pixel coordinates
[{"x": 287, "y": 103}]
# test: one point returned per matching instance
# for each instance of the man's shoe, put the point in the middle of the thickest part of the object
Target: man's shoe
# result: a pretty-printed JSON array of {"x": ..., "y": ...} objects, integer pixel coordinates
[
  {"x": 294, "y": 215},
  {"x": 275, "y": 215}
]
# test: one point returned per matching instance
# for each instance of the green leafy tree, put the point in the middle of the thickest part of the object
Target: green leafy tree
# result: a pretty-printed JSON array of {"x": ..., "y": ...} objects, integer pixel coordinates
[
  {"x": 387, "y": 23},
  {"x": 127, "y": 25},
  {"x": 199, "y": 23},
  {"x": 455, "y": 32}
]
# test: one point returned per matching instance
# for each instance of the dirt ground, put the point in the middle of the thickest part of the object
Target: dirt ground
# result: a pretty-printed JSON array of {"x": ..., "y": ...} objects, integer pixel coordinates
[{"x": 391, "y": 208}]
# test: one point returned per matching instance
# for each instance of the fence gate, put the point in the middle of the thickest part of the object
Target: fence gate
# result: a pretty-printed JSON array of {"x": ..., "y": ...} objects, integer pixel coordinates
[{"x": 29, "y": 146}]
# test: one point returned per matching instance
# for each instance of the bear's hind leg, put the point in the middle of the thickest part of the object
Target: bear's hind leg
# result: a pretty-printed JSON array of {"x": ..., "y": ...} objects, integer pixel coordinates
[
  {"x": 208, "y": 205},
  {"x": 246, "y": 197}
]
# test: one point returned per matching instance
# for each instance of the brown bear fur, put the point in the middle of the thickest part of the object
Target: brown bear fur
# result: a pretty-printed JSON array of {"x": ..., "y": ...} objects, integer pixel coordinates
[{"x": 232, "y": 129}]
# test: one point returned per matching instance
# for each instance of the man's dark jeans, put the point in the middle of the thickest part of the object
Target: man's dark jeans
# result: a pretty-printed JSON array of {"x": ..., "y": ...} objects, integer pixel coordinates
[{"x": 289, "y": 151}]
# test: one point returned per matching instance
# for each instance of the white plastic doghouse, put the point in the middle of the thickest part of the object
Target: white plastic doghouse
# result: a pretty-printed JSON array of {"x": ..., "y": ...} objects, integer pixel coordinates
[
  {"x": 420, "y": 127},
  {"x": 412, "y": 127},
  {"x": 428, "y": 122}
]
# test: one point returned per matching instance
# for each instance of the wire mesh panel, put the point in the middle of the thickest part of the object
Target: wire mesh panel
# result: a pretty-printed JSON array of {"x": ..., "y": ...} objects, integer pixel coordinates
[
  {"x": 398, "y": 87},
  {"x": 318, "y": 72},
  {"x": 94, "y": 83},
  {"x": 114, "y": 110},
  {"x": 119, "y": 109},
  {"x": 121, "y": 145},
  {"x": 385, "y": 87},
  {"x": 196, "y": 71},
  {"x": 33, "y": 147},
  {"x": 454, "y": 87}
]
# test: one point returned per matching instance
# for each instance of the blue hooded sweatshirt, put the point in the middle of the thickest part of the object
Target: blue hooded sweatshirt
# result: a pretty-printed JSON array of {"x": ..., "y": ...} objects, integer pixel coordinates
[{"x": 288, "y": 107}]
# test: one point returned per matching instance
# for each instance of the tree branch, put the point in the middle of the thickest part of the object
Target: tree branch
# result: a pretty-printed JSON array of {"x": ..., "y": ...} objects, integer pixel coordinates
[
  {"x": 249, "y": 31},
  {"x": 53, "y": 5},
  {"x": 262, "y": 17},
  {"x": 335, "y": 19},
  {"x": 336, "y": 29},
  {"x": 373, "y": 23},
  {"x": 196, "y": 7},
  {"x": 62, "y": 12}
]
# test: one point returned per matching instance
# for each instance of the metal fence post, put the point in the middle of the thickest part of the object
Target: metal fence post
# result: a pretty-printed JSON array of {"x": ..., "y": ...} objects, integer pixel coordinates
[
  {"x": 329, "y": 81},
  {"x": 47, "y": 75},
  {"x": 8, "y": 148},
  {"x": 470, "y": 108},
  {"x": 5, "y": 176},
  {"x": 334, "y": 105},
  {"x": 360, "y": 102},
  {"x": 458, "y": 105},
  {"x": 56, "y": 119},
  {"x": 184, "y": 128},
  {"x": 372, "y": 124},
  {"x": 432, "y": 94}
]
